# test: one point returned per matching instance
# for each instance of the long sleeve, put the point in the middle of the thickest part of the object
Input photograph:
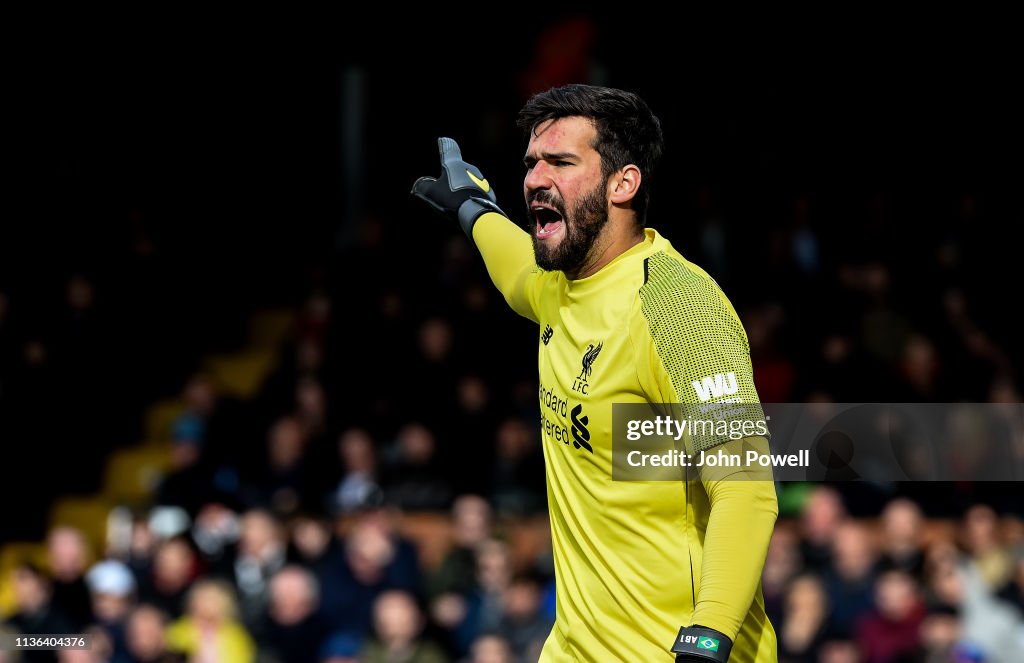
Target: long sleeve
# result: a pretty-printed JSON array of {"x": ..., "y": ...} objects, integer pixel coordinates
[
  {"x": 744, "y": 508},
  {"x": 697, "y": 356},
  {"x": 508, "y": 253}
]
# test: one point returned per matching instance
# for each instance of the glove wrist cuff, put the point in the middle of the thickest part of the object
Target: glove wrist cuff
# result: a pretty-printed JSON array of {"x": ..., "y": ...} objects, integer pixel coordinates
[
  {"x": 698, "y": 643},
  {"x": 472, "y": 209}
]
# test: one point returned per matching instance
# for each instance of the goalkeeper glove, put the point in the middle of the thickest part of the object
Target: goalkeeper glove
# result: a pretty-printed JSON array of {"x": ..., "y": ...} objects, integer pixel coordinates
[
  {"x": 698, "y": 644},
  {"x": 461, "y": 192}
]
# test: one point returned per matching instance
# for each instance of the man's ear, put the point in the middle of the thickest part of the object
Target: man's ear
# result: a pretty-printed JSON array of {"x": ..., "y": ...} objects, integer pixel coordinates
[{"x": 624, "y": 185}]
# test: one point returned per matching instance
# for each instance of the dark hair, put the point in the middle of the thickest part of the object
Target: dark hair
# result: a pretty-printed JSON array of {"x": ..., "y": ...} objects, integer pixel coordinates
[{"x": 627, "y": 131}]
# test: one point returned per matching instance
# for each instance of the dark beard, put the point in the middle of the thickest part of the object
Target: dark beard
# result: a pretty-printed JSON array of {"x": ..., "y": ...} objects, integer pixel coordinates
[{"x": 589, "y": 216}]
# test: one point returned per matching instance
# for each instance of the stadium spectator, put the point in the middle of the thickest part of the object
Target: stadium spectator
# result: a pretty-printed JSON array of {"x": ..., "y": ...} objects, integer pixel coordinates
[
  {"x": 840, "y": 651},
  {"x": 314, "y": 547},
  {"x": 398, "y": 625},
  {"x": 293, "y": 630},
  {"x": 892, "y": 631},
  {"x": 311, "y": 409},
  {"x": 100, "y": 650},
  {"x": 481, "y": 610},
  {"x": 113, "y": 589},
  {"x": 819, "y": 520},
  {"x": 281, "y": 482},
  {"x": 145, "y": 637},
  {"x": 850, "y": 580},
  {"x": 517, "y": 487},
  {"x": 981, "y": 539},
  {"x": 989, "y": 626},
  {"x": 175, "y": 567},
  {"x": 523, "y": 624},
  {"x": 69, "y": 555},
  {"x": 430, "y": 373},
  {"x": 315, "y": 318},
  {"x": 940, "y": 635},
  {"x": 471, "y": 527},
  {"x": 377, "y": 559},
  {"x": 782, "y": 564},
  {"x": 215, "y": 531},
  {"x": 190, "y": 481},
  {"x": 141, "y": 547},
  {"x": 261, "y": 552},
  {"x": 901, "y": 537},
  {"x": 190, "y": 427},
  {"x": 210, "y": 630},
  {"x": 412, "y": 478},
  {"x": 34, "y": 610},
  {"x": 473, "y": 418},
  {"x": 359, "y": 480},
  {"x": 490, "y": 649},
  {"x": 803, "y": 626}
]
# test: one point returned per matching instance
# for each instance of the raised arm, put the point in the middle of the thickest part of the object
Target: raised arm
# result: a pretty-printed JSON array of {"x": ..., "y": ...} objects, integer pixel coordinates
[
  {"x": 699, "y": 358},
  {"x": 462, "y": 193}
]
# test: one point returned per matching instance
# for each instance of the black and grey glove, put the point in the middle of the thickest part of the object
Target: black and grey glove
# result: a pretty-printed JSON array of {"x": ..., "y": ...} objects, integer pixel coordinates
[{"x": 461, "y": 192}]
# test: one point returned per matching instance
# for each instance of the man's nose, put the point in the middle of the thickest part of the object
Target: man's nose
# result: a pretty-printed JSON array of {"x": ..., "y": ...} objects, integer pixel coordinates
[{"x": 538, "y": 177}]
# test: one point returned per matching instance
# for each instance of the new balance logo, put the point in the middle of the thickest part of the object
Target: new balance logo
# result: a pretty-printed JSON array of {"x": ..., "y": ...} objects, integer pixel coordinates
[
  {"x": 547, "y": 334},
  {"x": 715, "y": 386}
]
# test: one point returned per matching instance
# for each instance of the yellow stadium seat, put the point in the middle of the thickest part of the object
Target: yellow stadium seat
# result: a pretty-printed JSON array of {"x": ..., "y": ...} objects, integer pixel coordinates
[
  {"x": 159, "y": 418},
  {"x": 11, "y": 554},
  {"x": 241, "y": 374},
  {"x": 268, "y": 329},
  {"x": 132, "y": 475},
  {"x": 89, "y": 514}
]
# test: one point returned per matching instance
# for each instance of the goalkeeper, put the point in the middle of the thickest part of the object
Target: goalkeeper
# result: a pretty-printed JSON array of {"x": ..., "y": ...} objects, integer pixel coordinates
[{"x": 645, "y": 571}]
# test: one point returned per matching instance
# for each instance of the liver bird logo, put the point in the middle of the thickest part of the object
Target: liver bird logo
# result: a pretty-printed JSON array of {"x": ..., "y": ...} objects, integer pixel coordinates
[{"x": 589, "y": 357}]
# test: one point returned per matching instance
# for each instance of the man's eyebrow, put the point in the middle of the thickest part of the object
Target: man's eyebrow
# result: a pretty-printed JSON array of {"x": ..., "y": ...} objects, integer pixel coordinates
[{"x": 552, "y": 156}]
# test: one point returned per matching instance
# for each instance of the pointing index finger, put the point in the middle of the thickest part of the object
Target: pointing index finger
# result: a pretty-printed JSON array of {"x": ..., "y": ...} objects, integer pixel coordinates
[{"x": 449, "y": 150}]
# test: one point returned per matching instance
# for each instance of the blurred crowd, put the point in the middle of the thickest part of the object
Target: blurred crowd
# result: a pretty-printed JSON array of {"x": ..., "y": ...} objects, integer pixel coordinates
[
  {"x": 375, "y": 584},
  {"x": 895, "y": 588},
  {"x": 382, "y": 498},
  {"x": 234, "y": 586}
]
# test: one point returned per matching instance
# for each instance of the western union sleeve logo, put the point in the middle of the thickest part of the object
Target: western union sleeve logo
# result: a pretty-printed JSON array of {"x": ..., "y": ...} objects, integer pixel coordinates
[{"x": 715, "y": 386}]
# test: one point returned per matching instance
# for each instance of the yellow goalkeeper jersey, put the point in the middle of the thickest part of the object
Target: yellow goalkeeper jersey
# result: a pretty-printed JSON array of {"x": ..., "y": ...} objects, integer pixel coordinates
[{"x": 635, "y": 560}]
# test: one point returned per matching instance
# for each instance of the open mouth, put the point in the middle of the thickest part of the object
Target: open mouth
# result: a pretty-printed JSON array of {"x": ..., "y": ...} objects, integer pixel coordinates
[{"x": 548, "y": 220}]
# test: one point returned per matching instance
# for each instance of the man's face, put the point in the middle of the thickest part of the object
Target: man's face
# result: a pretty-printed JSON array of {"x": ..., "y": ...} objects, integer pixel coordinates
[{"x": 566, "y": 194}]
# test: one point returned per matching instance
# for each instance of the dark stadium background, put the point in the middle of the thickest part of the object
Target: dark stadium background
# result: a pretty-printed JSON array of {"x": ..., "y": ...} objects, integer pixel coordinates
[{"x": 194, "y": 180}]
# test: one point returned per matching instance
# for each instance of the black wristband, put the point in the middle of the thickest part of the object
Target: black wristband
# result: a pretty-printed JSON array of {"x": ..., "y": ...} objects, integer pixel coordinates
[
  {"x": 472, "y": 209},
  {"x": 698, "y": 643}
]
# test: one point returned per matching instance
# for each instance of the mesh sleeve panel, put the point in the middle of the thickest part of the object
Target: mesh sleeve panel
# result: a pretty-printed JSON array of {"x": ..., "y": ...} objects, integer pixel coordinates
[{"x": 702, "y": 346}]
